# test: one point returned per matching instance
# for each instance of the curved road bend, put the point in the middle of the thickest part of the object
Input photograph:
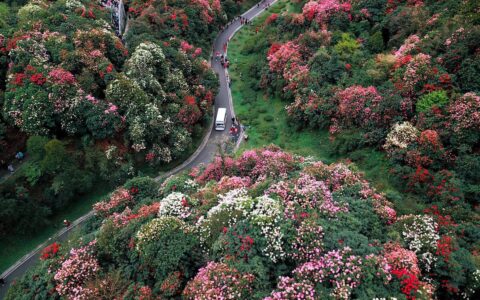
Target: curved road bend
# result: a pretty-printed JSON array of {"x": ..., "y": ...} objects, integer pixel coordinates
[{"x": 204, "y": 155}]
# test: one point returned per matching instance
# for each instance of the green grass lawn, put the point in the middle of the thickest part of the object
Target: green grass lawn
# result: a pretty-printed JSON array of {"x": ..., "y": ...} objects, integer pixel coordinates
[{"x": 266, "y": 120}]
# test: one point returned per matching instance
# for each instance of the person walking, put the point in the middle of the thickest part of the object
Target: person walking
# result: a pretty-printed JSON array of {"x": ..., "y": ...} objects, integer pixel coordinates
[
  {"x": 233, "y": 120},
  {"x": 10, "y": 168},
  {"x": 66, "y": 223},
  {"x": 19, "y": 155}
]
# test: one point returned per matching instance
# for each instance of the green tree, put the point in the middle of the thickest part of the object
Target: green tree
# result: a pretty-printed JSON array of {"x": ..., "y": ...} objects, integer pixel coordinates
[
  {"x": 427, "y": 101},
  {"x": 56, "y": 156},
  {"x": 36, "y": 147}
]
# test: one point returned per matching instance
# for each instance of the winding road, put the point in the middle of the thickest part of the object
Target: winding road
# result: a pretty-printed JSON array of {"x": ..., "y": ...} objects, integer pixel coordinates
[{"x": 204, "y": 154}]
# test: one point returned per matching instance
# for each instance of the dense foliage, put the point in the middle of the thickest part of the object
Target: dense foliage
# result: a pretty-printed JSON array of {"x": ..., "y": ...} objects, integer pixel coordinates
[
  {"x": 265, "y": 225},
  {"x": 96, "y": 107}
]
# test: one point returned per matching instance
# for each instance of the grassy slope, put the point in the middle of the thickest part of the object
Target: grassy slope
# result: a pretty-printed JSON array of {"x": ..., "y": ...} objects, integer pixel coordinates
[{"x": 266, "y": 119}]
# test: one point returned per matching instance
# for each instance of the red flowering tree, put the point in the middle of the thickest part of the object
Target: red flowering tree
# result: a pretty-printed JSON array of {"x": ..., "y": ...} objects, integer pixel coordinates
[
  {"x": 357, "y": 106},
  {"x": 321, "y": 10},
  {"x": 50, "y": 251}
]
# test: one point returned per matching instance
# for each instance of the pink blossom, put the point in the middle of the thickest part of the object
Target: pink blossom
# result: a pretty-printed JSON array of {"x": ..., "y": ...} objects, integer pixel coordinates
[
  {"x": 75, "y": 271},
  {"x": 218, "y": 281},
  {"x": 61, "y": 76},
  {"x": 185, "y": 46},
  {"x": 321, "y": 10},
  {"x": 465, "y": 113}
]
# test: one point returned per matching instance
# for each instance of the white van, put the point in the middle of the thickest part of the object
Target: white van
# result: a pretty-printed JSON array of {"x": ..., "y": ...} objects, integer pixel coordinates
[{"x": 221, "y": 120}]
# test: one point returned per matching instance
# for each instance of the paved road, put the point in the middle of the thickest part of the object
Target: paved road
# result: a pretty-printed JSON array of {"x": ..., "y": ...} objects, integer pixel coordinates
[{"x": 207, "y": 150}]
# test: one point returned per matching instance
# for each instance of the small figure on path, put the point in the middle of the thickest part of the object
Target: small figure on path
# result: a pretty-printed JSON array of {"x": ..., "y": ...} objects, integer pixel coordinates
[
  {"x": 233, "y": 120},
  {"x": 10, "y": 168},
  {"x": 66, "y": 223},
  {"x": 19, "y": 155}
]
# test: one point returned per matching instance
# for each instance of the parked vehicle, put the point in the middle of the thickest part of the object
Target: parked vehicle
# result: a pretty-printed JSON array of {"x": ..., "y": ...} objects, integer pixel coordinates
[{"x": 221, "y": 120}]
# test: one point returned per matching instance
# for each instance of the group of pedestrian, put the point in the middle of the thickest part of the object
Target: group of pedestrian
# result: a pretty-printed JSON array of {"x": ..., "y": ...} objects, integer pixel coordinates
[
  {"x": 224, "y": 61},
  {"x": 265, "y": 3},
  {"x": 244, "y": 21},
  {"x": 19, "y": 156}
]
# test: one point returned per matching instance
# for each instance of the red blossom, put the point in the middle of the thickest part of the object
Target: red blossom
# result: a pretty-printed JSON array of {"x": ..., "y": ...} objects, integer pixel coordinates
[
  {"x": 150, "y": 156},
  {"x": 410, "y": 283},
  {"x": 19, "y": 77},
  {"x": 38, "y": 79},
  {"x": 272, "y": 18},
  {"x": 50, "y": 251},
  {"x": 109, "y": 68},
  {"x": 445, "y": 247}
]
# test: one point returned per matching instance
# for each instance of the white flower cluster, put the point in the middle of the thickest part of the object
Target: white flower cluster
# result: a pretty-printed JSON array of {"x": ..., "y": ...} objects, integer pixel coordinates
[
  {"x": 421, "y": 237},
  {"x": 231, "y": 206},
  {"x": 111, "y": 152},
  {"x": 175, "y": 204},
  {"x": 146, "y": 61},
  {"x": 267, "y": 215},
  {"x": 263, "y": 212},
  {"x": 73, "y": 5},
  {"x": 401, "y": 136},
  {"x": 191, "y": 185}
]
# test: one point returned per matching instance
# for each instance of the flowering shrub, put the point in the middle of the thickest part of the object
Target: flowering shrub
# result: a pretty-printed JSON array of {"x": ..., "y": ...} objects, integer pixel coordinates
[
  {"x": 308, "y": 244},
  {"x": 281, "y": 55},
  {"x": 61, "y": 76},
  {"x": 267, "y": 215},
  {"x": 117, "y": 199},
  {"x": 421, "y": 237},
  {"x": 399, "y": 258},
  {"x": 321, "y": 10},
  {"x": 289, "y": 289},
  {"x": 339, "y": 270},
  {"x": 50, "y": 251},
  {"x": 219, "y": 281},
  {"x": 176, "y": 204},
  {"x": 154, "y": 229},
  {"x": 357, "y": 105},
  {"x": 465, "y": 114},
  {"x": 401, "y": 136},
  {"x": 75, "y": 271}
]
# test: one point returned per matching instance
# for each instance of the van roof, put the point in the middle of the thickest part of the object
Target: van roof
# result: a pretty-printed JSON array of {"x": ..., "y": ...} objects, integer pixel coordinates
[{"x": 222, "y": 111}]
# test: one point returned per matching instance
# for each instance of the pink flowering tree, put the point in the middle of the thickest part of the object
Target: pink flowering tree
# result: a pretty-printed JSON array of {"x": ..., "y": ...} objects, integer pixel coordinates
[
  {"x": 80, "y": 267},
  {"x": 357, "y": 106},
  {"x": 118, "y": 199},
  {"x": 464, "y": 116},
  {"x": 337, "y": 271},
  {"x": 279, "y": 56},
  {"x": 219, "y": 281},
  {"x": 321, "y": 10}
]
